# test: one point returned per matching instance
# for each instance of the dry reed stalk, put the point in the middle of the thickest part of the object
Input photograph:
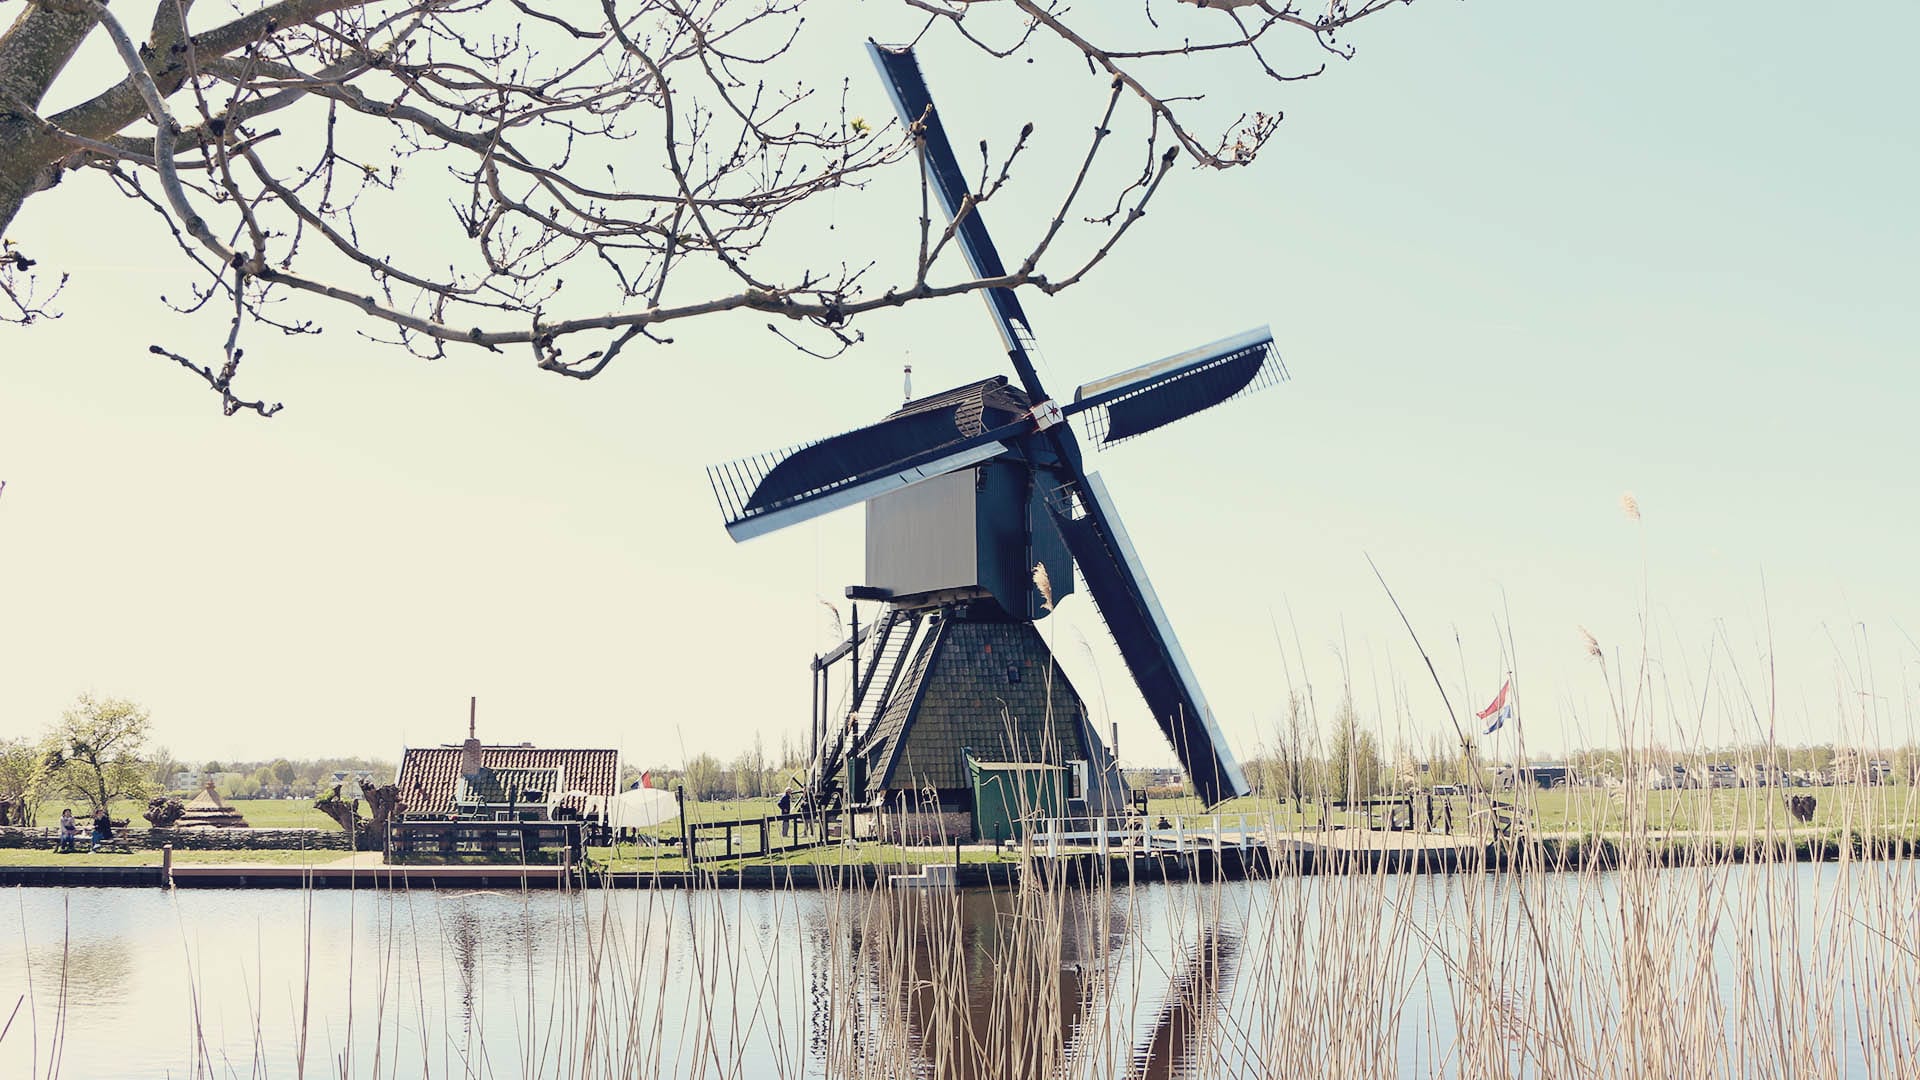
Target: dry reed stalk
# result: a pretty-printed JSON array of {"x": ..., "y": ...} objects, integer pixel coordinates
[{"x": 1706, "y": 946}]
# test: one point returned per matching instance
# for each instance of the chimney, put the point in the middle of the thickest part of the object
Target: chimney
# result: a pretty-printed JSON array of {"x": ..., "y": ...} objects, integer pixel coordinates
[{"x": 470, "y": 750}]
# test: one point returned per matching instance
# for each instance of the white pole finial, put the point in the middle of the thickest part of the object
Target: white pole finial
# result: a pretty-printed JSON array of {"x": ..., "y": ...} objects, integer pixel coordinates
[{"x": 906, "y": 386}]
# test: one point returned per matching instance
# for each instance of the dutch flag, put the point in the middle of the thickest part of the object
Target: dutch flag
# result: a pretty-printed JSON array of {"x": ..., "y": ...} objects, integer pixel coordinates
[{"x": 1501, "y": 710}]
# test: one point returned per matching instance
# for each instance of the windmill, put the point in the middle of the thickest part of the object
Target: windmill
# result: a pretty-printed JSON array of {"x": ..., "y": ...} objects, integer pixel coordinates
[{"x": 974, "y": 496}]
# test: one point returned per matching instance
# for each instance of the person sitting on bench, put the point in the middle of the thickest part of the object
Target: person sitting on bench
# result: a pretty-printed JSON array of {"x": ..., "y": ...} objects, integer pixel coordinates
[{"x": 102, "y": 830}]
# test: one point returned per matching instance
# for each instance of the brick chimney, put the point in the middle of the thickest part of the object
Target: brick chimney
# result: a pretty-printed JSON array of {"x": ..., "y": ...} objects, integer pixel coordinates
[{"x": 470, "y": 750}]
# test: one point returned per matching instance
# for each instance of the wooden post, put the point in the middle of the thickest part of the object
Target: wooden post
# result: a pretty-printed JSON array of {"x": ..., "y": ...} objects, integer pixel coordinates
[
  {"x": 765, "y": 848},
  {"x": 166, "y": 866},
  {"x": 686, "y": 847},
  {"x": 853, "y": 654}
]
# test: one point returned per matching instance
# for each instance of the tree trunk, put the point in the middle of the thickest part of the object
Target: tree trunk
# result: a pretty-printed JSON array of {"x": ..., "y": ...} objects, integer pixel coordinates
[{"x": 33, "y": 52}]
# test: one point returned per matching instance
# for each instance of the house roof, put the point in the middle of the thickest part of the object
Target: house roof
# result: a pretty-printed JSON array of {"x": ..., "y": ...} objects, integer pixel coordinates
[
  {"x": 970, "y": 404},
  {"x": 207, "y": 799},
  {"x": 428, "y": 776}
]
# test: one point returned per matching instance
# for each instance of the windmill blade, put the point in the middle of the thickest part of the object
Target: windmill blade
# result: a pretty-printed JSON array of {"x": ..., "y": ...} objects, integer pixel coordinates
[
  {"x": 914, "y": 103},
  {"x": 1120, "y": 589},
  {"x": 1154, "y": 395},
  {"x": 1192, "y": 1004},
  {"x": 929, "y": 437},
  {"x": 768, "y": 492}
]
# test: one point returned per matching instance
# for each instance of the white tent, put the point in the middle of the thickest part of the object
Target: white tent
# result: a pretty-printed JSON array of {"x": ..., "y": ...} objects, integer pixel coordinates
[{"x": 641, "y": 808}]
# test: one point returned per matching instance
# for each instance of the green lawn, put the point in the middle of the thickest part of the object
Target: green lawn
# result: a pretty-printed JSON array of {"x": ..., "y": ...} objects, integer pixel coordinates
[
  {"x": 1599, "y": 810},
  {"x": 1560, "y": 810},
  {"x": 260, "y": 813},
  {"x": 1726, "y": 809},
  {"x": 46, "y": 857},
  {"x": 1579, "y": 810}
]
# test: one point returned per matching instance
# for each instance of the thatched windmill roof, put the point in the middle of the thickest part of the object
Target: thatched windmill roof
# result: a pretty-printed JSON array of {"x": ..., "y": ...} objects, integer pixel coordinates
[{"x": 207, "y": 811}]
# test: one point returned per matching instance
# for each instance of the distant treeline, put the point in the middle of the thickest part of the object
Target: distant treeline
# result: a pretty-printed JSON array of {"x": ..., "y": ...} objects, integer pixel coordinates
[
  {"x": 758, "y": 772},
  {"x": 274, "y": 778},
  {"x": 97, "y": 754}
]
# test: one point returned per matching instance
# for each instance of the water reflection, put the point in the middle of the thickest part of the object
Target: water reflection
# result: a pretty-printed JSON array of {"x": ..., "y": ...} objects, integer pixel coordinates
[
  {"x": 1180, "y": 1038},
  {"x": 1414, "y": 977},
  {"x": 982, "y": 984}
]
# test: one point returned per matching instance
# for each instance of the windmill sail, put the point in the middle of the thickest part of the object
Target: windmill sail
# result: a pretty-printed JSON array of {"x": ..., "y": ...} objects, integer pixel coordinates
[
  {"x": 924, "y": 439},
  {"x": 747, "y": 522},
  {"x": 1154, "y": 395},
  {"x": 1120, "y": 589},
  {"x": 914, "y": 103}
]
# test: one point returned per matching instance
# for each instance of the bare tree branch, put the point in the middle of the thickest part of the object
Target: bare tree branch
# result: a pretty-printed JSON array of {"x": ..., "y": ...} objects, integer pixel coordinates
[{"x": 599, "y": 177}]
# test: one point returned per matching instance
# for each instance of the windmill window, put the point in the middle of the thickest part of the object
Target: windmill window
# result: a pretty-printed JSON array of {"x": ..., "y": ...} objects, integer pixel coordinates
[{"x": 1013, "y": 673}]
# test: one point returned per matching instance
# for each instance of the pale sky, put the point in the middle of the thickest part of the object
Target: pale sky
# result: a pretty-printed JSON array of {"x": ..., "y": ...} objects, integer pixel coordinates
[{"x": 1520, "y": 258}]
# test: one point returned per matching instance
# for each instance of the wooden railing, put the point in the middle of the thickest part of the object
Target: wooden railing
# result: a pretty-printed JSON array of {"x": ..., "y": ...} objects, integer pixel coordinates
[
  {"x": 738, "y": 838},
  {"x": 1181, "y": 833}
]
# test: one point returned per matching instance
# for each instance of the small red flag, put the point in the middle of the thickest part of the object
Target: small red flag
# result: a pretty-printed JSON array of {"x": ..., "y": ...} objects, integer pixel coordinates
[{"x": 1498, "y": 702}]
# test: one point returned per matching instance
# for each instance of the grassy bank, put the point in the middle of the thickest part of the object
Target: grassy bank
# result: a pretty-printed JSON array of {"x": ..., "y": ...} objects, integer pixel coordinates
[
  {"x": 260, "y": 813},
  {"x": 1589, "y": 810},
  {"x": 46, "y": 857}
]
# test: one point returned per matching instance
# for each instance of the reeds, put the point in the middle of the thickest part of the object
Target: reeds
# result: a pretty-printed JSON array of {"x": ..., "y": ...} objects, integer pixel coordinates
[
  {"x": 1647, "y": 933},
  {"x": 1690, "y": 949}
]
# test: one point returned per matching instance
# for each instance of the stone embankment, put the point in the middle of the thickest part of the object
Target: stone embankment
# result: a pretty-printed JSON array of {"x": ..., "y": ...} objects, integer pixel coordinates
[{"x": 14, "y": 836}]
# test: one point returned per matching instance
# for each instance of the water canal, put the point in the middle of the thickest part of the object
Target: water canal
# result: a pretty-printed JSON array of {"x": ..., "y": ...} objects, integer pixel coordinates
[{"x": 1799, "y": 970}]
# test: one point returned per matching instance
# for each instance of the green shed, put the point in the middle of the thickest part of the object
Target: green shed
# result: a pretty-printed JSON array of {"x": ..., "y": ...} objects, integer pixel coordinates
[{"x": 1008, "y": 795}]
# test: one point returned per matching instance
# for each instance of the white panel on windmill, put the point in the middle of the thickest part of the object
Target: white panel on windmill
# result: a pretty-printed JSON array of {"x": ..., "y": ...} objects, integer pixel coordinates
[{"x": 922, "y": 539}]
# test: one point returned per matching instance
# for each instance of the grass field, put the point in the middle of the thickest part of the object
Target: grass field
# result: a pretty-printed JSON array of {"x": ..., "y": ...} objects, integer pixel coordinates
[
  {"x": 46, "y": 857},
  {"x": 1588, "y": 810},
  {"x": 1883, "y": 809},
  {"x": 260, "y": 813},
  {"x": 300, "y": 814},
  {"x": 1559, "y": 810}
]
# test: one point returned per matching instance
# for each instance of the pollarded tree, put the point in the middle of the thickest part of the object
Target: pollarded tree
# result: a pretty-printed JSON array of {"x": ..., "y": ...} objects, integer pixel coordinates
[
  {"x": 96, "y": 753},
  {"x": 442, "y": 168}
]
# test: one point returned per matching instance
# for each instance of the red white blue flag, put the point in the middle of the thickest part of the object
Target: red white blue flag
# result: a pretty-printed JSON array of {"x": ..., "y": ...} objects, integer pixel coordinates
[{"x": 1501, "y": 710}]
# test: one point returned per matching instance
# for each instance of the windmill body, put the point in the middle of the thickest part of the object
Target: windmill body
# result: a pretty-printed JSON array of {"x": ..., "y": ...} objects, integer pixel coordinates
[
  {"x": 970, "y": 494},
  {"x": 973, "y": 534}
]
